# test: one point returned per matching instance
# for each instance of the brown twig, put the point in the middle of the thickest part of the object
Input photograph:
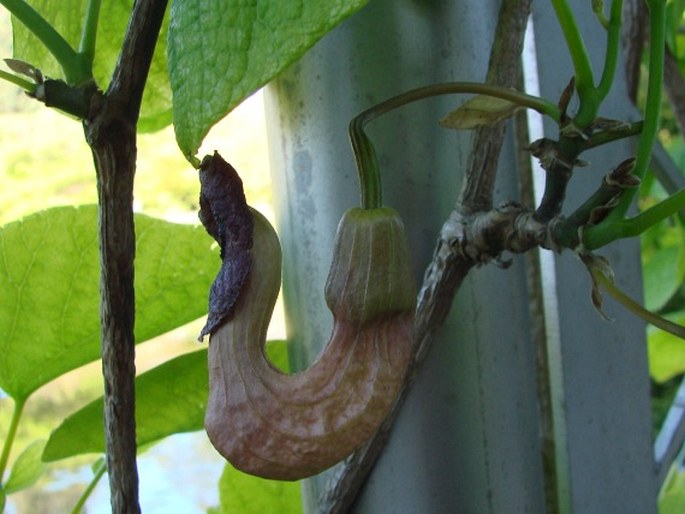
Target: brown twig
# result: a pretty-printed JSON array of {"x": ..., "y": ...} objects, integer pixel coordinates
[
  {"x": 674, "y": 84},
  {"x": 633, "y": 37},
  {"x": 110, "y": 130},
  {"x": 636, "y": 28},
  {"x": 449, "y": 267}
]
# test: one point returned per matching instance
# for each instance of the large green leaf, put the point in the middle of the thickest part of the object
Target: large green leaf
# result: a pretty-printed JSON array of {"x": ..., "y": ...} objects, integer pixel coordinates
[
  {"x": 49, "y": 275},
  {"x": 239, "y": 492},
  {"x": 67, "y": 17},
  {"x": 221, "y": 51},
  {"x": 170, "y": 399}
]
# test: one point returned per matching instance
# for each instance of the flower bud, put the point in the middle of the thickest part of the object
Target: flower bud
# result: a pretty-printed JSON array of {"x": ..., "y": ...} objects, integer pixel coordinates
[{"x": 371, "y": 274}]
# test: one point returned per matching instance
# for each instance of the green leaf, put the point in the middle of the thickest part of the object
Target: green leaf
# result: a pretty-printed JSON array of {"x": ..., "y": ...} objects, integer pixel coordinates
[
  {"x": 666, "y": 351},
  {"x": 672, "y": 501},
  {"x": 478, "y": 111},
  {"x": 27, "y": 469},
  {"x": 662, "y": 277},
  {"x": 277, "y": 353},
  {"x": 155, "y": 111},
  {"x": 49, "y": 275},
  {"x": 170, "y": 399},
  {"x": 674, "y": 18},
  {"x": 246, "y": 494},
  {"x": 67, "y": 17},
  {"x": 175, "y": 267},
  {"x": 66, "y": 20},
  {"x": 221, "y": 51},
  {"x": 98, "y": 466}
]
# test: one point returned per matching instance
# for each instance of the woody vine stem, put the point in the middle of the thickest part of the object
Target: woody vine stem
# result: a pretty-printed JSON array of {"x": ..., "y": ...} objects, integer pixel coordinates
[{"x": 111, "y": 133}]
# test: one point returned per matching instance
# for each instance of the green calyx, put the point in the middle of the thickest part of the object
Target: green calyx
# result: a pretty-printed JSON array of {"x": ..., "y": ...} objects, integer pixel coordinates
[{"x": 371, "y": 276}]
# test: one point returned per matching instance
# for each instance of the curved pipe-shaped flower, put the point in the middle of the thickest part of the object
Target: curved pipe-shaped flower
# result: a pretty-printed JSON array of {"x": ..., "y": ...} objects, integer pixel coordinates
[{"x": 288, "y": 427}]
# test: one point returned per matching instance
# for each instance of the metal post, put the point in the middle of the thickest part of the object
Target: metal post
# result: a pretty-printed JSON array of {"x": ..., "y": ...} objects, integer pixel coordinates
[{"x": 467, "y": 440}]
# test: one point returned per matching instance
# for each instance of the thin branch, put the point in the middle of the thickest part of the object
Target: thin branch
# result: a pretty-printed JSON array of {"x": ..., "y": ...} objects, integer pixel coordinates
[
  {"x": 448, "y": 269},
  {"x": 581, "y": 61},
  {"x": 18, "y": 81},
  {"x": 504, "y": 70},
  {"x": 635, "y": 16},
  {"x": 674, "y": 84},
  {"x": 90, "y": 29},
  {"x": 609, "y": 136},
  {"x": 100, "y": 470},
  {"x": 130, "y": 74},
  {"x": 612, "y": 48},
  {"x": 11, "y": 433},
  {"x": 610, "y": 229}
]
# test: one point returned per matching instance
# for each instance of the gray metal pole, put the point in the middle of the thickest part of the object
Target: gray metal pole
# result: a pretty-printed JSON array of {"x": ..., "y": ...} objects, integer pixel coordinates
[
  {"x": 467, "y": 440},
  {"x": 600, "y": 382}
]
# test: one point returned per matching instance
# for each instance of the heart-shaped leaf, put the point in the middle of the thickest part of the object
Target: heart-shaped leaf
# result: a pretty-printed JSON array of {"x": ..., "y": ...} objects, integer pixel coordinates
[
  {"x": 222, "y": 51},
  {"x": 170, "y": 399},
  {"x": 49, "y": 293}
]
